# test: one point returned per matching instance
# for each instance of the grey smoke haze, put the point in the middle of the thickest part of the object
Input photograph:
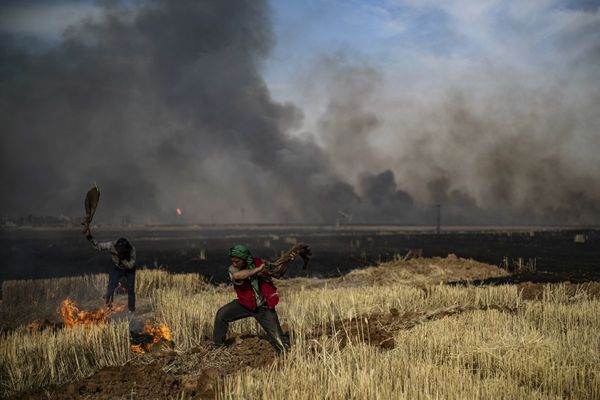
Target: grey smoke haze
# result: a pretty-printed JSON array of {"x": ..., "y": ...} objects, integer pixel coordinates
[
  {"x": 513, "y": 154},
  {"x": 164, "y": 105},
  {"x": 506, "y": 133}
]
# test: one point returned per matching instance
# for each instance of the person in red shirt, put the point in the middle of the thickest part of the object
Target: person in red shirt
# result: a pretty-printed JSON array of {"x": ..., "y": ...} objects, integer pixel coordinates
[{"x": 256, "y": 297}]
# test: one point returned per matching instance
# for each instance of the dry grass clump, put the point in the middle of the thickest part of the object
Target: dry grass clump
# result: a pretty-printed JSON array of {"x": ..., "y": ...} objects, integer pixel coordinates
[
  {"x": 84, "y": 287},
  {"x": 364, "y": 372},
  {"x": 149, "y": 280},
  {"x": 26, "y": 300},
  {"x": 34, "y": 360},
  {"x": 40, "y": 292},
  {"x": 306, "y": 309},
  {"x": 544, "y": 351},
  {"x": 534, "y": 349}
]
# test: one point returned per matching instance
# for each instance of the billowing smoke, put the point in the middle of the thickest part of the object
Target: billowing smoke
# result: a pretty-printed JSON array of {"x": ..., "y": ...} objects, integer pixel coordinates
[
  {"x": 164, "y": 105},
  {"x": 507, "y": 135}
]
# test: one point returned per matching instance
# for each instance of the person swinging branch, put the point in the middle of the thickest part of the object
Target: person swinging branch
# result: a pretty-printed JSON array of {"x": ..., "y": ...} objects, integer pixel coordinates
[
  {"x": 123, "y": 259},
  {"x": 256, "y": 297}
]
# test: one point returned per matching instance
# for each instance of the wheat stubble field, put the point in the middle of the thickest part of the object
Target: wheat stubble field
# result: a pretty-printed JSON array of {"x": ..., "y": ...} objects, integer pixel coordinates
[{"x": 396, "y": 330}]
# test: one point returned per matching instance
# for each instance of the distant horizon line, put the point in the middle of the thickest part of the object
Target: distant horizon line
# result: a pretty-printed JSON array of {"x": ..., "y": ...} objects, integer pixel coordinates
[{"x": 323, "y": 226}]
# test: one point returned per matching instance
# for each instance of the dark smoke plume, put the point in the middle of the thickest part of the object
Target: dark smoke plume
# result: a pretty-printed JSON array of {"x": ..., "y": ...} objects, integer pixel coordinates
[{"x": 163, "y": 104}]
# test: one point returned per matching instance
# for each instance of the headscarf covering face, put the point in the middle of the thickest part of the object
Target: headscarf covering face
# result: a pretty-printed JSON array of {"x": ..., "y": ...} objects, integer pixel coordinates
[
  {"x": 242, "y": 252},
  {"x": 123, "y": 248}
]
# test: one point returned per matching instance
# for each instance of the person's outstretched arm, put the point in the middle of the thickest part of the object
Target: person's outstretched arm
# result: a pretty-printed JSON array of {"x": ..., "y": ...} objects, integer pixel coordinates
[
  {"x": 100, "y": 246},
  {"x": 278, "y": 268},
  {"x": 246, "y": 273}
]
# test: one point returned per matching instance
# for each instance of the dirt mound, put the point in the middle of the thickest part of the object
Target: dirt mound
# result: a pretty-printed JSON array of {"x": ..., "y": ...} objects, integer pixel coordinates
[
  {"x": 421, "y": 272},
  {"x": 128, "y": 381}
]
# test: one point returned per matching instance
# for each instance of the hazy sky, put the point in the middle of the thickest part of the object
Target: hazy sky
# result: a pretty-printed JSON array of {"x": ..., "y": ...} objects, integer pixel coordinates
[{"x": 290, "y": 111}]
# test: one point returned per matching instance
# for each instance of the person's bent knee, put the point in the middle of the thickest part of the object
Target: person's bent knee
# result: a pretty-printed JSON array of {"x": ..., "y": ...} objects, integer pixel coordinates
[{"x": 221, "y": 315}]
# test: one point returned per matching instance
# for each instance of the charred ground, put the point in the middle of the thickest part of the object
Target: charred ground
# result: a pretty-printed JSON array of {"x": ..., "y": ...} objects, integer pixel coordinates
[{"x": 559, "y": 254}]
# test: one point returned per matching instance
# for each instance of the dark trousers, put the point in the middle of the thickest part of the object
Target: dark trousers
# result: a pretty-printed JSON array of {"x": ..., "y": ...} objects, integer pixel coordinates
[
  {"x": 266, "y": 318},
  {"x": 114, "y": 276}
]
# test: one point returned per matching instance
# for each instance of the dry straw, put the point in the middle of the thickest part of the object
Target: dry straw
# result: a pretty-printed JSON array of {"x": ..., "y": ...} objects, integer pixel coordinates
[
  {"x": 492, "y": 345},
  {"x": 545, "y": 351},
  {"x": 33, "y": 360}
]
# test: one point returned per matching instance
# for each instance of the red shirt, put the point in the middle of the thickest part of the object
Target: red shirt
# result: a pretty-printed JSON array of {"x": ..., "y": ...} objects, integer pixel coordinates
[{"x": 246, "y": 295}]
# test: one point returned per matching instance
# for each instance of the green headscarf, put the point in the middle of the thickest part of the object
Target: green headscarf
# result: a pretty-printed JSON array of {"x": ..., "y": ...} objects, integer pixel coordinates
[{"x": 241, "y": 251}]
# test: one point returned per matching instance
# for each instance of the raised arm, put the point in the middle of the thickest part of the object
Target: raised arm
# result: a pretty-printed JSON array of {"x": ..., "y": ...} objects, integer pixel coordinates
[
  {"x": 100, "y": 246},
  {"x": 246, "y": 273}
]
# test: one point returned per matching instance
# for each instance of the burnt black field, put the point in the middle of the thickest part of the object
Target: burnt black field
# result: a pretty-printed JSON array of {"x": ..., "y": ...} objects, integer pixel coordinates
[{"x": 45, "y": 253}]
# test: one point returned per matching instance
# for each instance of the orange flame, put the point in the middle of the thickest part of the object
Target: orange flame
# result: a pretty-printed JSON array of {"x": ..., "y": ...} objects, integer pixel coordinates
[
  {"x": 137, "y": 348},
  {"x": 71, "y": 315},
  {"x": 178, "y": 210},
  {"x": 158, "y": 333}
]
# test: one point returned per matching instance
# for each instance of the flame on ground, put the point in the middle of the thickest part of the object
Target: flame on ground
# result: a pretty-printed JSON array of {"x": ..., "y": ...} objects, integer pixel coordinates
[
  {"x": 178, "y": 211},
  {"x": 71, "y": 315},
  {"x": 155, "y": 334}
]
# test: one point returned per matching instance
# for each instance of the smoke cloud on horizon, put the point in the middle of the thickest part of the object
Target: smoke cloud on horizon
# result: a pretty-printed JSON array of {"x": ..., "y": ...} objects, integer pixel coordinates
[{"x": 164, "y": 104}]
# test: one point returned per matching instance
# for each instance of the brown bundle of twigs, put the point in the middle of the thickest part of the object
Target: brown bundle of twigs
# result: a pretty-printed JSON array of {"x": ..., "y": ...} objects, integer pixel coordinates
[{"x": 278, "y": 268}]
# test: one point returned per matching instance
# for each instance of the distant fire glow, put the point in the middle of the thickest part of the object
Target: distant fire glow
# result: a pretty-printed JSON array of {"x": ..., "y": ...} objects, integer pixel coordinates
[{"x": 178, "y": 211}]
